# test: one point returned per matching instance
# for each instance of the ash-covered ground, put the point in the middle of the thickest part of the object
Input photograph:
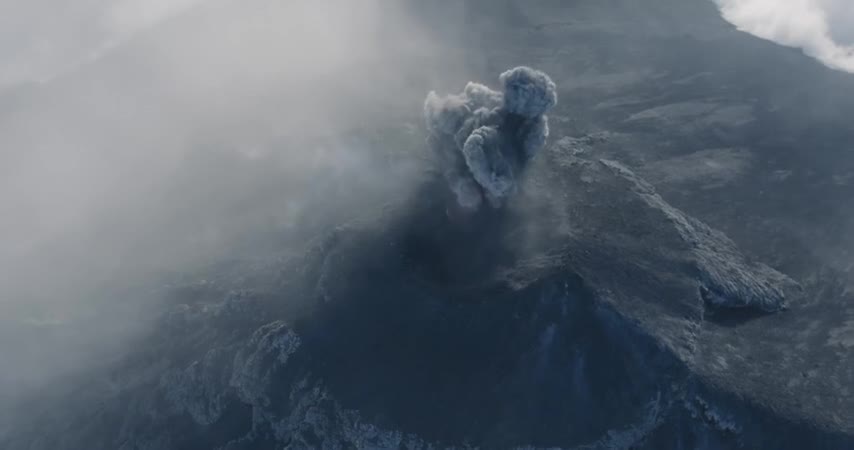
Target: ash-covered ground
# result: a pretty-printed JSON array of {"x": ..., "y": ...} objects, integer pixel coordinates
[{"x": 659, "y": 258}]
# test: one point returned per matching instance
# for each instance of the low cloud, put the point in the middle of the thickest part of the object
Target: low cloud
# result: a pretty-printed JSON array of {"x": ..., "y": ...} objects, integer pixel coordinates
[{"x": 822, "y": 28}]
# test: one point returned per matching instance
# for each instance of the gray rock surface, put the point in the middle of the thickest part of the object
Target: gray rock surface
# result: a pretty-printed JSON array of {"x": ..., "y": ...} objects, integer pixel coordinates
[
  {"x": 673, "y": 272},
  {"x": 591, "y": 322}
]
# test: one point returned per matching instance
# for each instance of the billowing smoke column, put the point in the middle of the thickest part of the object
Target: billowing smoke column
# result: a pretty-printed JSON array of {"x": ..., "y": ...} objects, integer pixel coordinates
[{"x": 485, "y": 138}]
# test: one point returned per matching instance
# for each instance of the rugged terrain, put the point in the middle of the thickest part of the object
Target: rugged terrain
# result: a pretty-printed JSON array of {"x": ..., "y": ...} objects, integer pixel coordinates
[{"x": 674, "y": 272}]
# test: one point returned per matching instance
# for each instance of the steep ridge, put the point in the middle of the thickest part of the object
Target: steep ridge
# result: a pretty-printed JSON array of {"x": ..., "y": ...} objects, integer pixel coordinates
[
  {"x": 593, "y": 313},
  {"x": 573, "y": 319}
]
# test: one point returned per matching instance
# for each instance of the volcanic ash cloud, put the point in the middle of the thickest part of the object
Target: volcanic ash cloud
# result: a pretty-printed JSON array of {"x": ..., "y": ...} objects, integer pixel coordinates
[{"x": 485, "y": 138}]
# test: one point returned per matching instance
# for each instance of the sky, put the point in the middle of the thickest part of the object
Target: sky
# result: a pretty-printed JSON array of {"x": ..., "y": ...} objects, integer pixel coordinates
[{"x": 823, "y": 29}]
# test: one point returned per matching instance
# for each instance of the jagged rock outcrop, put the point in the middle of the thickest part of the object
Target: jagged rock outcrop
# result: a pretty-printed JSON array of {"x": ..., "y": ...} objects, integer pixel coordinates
[
  {"x": 728, "y": 279},
  {"x": 595, "y": 311},
  {"x": 584, "y": 326}
]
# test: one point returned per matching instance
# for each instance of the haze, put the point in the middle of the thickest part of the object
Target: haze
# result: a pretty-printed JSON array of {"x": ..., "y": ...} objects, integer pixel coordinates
[{"x": 140, "y": 139}]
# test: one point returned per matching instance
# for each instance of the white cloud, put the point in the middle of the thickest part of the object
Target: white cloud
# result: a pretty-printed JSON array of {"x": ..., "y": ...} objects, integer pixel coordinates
[{"x": 822, "y": 28}]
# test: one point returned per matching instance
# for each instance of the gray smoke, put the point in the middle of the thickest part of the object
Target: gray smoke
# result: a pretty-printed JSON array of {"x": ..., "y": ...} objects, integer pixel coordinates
[{"x": 485, "y": 138}]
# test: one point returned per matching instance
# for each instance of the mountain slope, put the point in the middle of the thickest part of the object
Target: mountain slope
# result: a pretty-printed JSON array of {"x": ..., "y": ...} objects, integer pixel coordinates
[{"x": 675, "y": 273}]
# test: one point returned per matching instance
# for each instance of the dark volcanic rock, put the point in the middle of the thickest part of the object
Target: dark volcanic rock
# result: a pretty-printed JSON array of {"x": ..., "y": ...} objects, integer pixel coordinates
[
  {"x": 672, "y": 274},
  {"x": 583, "y": 325}
]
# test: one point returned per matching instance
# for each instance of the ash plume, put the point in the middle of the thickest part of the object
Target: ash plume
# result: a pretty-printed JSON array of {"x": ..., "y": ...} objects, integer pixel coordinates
[{"x": 485, "y": 138}]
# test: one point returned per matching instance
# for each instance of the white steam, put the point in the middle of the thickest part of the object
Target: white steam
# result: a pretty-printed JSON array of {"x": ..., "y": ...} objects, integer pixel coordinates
[
  {"x": 822, "y": 28},
  {"x": 197, "y": 126}
]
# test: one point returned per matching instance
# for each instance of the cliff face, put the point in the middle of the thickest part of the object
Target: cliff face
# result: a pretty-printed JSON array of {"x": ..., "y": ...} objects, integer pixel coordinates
[{"x": 672, "y": 273}]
